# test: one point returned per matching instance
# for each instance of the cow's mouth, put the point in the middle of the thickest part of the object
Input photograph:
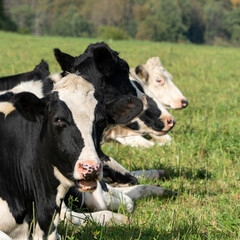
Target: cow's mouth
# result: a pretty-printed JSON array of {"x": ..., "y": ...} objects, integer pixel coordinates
[{"x": 86, "y": 185}]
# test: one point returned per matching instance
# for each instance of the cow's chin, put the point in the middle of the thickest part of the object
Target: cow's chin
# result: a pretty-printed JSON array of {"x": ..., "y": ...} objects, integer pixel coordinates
[
  {"x": 160, "y": 133},
  {"x": 86, "y": 185}
]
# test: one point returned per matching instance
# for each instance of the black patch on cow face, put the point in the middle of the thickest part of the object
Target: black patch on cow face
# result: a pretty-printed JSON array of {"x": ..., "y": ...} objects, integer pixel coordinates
[
  {"x": 151, "y": 116},
  {"x": 133, "y": 126},
  {"x": 68, "y": 141}
]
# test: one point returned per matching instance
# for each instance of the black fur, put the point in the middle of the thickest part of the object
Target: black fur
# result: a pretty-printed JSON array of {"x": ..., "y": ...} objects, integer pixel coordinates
[{"x": 28, "y": 154}]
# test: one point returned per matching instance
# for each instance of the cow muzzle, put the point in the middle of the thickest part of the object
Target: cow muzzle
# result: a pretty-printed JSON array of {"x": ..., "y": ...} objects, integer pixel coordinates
[
  {"x": 169, "y": 123},
  {"x": 88, "y": 175}
]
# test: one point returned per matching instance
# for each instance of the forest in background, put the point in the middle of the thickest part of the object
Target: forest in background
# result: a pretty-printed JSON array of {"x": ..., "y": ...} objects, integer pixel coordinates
[{"x": 197, "y": 21}]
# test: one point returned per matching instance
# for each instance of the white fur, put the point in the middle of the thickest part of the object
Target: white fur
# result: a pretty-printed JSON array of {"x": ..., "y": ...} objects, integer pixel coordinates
[
  {"x": 30, "y": 86},
  {"x": 166, "y": 91}
]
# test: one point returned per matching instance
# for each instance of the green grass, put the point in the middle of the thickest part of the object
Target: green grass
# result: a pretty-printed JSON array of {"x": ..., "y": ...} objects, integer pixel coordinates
[{"x": 202, "y": 162}]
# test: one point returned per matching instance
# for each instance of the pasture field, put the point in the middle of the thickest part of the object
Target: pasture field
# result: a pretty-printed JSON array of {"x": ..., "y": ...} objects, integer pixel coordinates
[{"x": 202, "y": 163}]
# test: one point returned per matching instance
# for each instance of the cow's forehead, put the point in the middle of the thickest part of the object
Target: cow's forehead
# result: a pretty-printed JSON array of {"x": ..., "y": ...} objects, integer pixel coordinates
[{"x": 78, "y": 94}]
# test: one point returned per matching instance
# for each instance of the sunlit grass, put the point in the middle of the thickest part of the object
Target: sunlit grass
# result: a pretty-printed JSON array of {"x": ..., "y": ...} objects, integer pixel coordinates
[{"x": 202, "y": 163}]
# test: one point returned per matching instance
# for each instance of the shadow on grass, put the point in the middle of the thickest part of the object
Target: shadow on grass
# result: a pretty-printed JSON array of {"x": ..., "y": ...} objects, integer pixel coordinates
[
  {"x": 127, "y": 232},
  {"x": 185, "y": 172}
]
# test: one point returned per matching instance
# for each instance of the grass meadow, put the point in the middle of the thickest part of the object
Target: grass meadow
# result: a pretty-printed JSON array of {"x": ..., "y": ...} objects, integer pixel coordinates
[{"x": 202, "y": 163}]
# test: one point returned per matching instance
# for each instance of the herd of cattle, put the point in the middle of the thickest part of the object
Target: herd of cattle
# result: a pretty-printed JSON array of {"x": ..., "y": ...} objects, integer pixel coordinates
[{"x": 51, "y": 131}]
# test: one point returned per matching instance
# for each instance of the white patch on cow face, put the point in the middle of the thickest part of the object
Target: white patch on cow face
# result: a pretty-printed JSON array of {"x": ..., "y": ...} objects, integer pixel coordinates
[
  {"x": 78, "y": 94},
  {"x": 161, "y": 84}
]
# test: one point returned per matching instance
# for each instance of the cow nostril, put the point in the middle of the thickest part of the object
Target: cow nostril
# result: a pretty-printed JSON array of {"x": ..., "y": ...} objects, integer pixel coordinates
[
  {"x": 184, "y": 103},
  {"x": 169, "y": 121}
]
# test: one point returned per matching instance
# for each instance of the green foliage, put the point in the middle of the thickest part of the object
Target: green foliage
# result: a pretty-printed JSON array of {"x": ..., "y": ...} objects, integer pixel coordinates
[
  {"x": 24, "y": 15},
  {"x": 72, "y": 24},
  {"x": 5, "y": 22},
  {"x": 196, "y": 21},
  {"x": 110, "y": 32},
  {"x": 215, "y": 15}
]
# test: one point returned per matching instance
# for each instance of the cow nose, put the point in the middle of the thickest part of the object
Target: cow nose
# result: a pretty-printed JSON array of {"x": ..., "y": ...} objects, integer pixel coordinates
[
  {"x": 184, "y": 103},
  {"x": 169, "y": 122},
  {"x": 89, "y": 171}
]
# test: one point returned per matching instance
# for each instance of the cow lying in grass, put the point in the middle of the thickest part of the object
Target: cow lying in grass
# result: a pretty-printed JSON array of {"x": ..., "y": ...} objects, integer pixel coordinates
[
  {"x": 157, "y": 82},
  {"x": 47, "y": 146}
]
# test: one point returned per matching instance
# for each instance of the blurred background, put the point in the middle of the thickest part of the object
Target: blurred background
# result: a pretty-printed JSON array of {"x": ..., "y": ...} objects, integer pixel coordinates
[{"x": 214, "y": 22}]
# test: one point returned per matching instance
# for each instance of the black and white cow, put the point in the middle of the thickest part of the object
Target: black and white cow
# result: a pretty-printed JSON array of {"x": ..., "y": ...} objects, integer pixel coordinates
[{"x": 47, "y": 145}]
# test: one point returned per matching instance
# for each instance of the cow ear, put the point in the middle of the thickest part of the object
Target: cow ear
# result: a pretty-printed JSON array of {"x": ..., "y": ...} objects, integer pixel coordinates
[
  {"x": 103, "y": 60},
  {"x": 142, "y": 73},
  {"x": 42, "y": 70},
  {"x": 29, "y": 106},
  {"x": 65, "y": 60},
  {"x": 124, "y": 109}
]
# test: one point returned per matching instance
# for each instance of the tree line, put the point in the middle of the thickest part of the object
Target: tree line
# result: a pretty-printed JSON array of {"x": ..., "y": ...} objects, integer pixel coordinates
[{"x": 196, "y": 21}]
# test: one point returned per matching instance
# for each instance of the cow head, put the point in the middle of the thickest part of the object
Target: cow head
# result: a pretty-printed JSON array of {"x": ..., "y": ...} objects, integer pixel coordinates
[
  {"x": 155, "y": 118},
  {"x": 159, "y": 81},
  {"x": 72, "y": 123},
  {"x": 108, "y": 73}
]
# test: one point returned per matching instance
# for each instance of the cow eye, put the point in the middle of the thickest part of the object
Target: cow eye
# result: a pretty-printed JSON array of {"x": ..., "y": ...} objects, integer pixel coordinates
[
  {"x": 60, "y": 122},
  {"x": 160, "y": 81}
]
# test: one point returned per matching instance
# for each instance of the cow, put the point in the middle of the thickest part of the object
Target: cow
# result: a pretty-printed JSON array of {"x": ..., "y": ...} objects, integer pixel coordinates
[{"x": 47, "y": 146}]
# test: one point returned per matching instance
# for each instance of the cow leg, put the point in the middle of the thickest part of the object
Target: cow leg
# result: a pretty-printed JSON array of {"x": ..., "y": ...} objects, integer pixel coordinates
[
  {"x": 4, "y": 236},
  {"x": 102, "y": 217},
  {"x": 117, "y": 173},
  {"x": 150, "y": 174},
  {"x": 135, "y": 141},
  {"x": 140, "y": 191}
]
